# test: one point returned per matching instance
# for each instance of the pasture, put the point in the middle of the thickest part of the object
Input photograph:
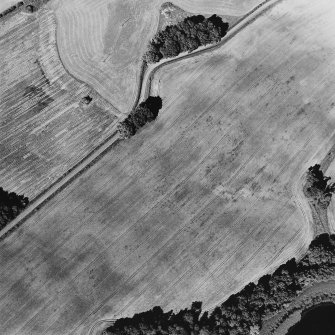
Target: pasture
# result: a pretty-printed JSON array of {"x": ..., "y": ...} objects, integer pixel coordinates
[
  {"x": 102, "y": 42},
  {"x": 198, "y": 203},
  {"x": 45, "y": 129}
]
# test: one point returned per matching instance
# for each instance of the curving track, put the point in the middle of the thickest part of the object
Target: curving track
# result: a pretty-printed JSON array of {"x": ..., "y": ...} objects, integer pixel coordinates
[{"x": 106, "y": 50}]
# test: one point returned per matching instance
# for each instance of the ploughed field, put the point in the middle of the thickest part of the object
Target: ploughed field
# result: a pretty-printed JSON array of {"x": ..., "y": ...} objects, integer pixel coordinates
[
  {"x": 198, "y": 203},
  {"x": 45, "y": 130}
]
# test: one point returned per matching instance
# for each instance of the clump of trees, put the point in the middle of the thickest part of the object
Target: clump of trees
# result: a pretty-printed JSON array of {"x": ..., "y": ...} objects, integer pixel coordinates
[
  {"x": 145, "y": 112},
  {"x": 317, "y": 186},
  {"x": 11, "y": 205},
  {"x": 187, "y": 35},
  {"x": 244, "y": 312}
]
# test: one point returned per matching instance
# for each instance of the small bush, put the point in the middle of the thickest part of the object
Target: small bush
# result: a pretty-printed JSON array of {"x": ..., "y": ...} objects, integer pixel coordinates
[
  {"x": 318, "y": 188},
  {"x": 11, "y": 205}
]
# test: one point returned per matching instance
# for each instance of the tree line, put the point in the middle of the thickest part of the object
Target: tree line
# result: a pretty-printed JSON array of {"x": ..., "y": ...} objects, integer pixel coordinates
[
  {"x": 245, "y": 310},
  {"x": 11, "y": 205},
  {"x": 187, "y": 35},
  {"x": 145, "y": 112}
]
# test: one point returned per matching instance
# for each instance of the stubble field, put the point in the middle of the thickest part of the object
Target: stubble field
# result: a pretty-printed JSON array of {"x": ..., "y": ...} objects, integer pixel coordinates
[
  {"x": 197, "y": 204},
  {"x": 45, "y": 129}
]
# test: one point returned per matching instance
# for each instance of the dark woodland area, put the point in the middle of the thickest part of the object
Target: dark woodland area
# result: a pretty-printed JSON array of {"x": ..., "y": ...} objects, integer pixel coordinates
[
  {"x": 11, "y": 205},
  {"x": 243, "y": 310},
  {"x": 187, "y": 35},
  {"x": 145, "y": 112}
]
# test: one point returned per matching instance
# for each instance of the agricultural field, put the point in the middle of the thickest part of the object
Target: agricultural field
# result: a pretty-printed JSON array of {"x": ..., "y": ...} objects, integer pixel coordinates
[
  {"x": 45, "y": 127},
  {"x": 106, "y": 50},
  {"x": 200, "y": 202}
]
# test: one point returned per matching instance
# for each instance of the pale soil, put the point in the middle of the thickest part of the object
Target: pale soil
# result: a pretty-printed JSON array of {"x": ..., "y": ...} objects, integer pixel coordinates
[
  {"x": 5, "y": 4},
  {"x": 198, "y": 203},
  {"x": 102, "y": 42},
  {"x": 44, "y": 129}
]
